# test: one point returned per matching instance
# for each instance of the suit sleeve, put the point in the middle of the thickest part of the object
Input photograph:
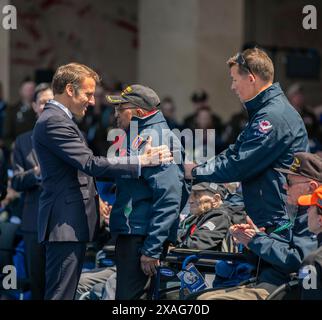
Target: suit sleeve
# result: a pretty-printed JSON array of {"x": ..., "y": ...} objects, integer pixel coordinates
[
  {"x": 167, "y": 191},
  {"x": 22, "y": 179},
  {"x": 253, "y": 152},
  {"x": 205, "y": 237},
  {"x": 63, "y": 140}
]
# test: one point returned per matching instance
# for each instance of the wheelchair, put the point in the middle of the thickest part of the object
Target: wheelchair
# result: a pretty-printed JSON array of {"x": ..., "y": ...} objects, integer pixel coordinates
[
  {"x": 168, "y": 287},
  {"x": 205, "y": 261},
  {"x": 165, "y": 285}
]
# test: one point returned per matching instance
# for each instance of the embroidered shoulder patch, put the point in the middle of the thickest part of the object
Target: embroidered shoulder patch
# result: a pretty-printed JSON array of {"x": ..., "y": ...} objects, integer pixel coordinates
[
  {"x": 137, "y": 142},
  {"x": 264, "y": 126}
]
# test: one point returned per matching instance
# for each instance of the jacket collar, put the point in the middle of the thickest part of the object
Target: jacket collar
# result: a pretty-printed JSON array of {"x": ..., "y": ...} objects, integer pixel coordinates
[
  {"x": 253, "y": 105},
  {"x": 50, "y": 106},
  {"x": 149, "y": 120},
  {"x": 61, "y": 106}
]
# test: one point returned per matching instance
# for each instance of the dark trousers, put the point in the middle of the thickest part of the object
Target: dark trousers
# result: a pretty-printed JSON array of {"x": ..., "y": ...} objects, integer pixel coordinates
[
  {"x": 130, "y": 279},
  {"x": 64, "y": 261},
  {"x": 36, "y": 263}
]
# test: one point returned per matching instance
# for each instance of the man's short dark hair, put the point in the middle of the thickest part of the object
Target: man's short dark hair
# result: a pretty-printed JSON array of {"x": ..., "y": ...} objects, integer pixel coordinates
[
  {"x": 258, "y": 62},
  {"x": 72, "y": 73}
]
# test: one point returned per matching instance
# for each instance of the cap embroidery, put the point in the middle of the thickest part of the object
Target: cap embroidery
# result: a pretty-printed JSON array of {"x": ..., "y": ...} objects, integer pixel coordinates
[{"x": 295, "y": 166}]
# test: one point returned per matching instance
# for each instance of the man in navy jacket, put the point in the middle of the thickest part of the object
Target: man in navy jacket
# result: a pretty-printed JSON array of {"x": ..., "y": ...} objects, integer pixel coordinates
[
  {"x": 146, "y": 212},
  {"x": 275, "y": 132}
]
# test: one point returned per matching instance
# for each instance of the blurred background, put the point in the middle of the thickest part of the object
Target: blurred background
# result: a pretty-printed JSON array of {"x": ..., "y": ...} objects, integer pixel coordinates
[{"x": 174, "y": 46}]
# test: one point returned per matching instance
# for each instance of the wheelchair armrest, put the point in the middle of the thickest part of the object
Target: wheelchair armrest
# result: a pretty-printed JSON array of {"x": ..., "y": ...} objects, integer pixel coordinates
[
  {"x": 284, "y": 288},
  {"x": 179, "y": 254}
]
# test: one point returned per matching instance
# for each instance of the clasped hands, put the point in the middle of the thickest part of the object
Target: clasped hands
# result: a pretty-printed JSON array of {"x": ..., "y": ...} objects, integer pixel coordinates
[{"x": 243, "y": 233}]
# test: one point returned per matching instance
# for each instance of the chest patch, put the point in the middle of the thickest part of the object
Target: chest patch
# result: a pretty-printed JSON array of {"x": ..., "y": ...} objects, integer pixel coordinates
[{"x": 209, "y": 225}]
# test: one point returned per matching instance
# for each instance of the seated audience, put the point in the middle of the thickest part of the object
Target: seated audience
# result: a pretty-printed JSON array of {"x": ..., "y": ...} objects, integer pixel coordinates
[{"x": 277, "y": 253}]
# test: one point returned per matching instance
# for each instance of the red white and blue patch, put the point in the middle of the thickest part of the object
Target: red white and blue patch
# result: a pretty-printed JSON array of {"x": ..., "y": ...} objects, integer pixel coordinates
[
  {"x": 137, "y": 142},
  {"x": 264, "y": 126}
]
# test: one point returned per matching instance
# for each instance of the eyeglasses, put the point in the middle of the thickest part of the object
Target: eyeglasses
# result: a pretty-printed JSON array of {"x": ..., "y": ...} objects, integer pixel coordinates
[{"x": 242, "y": 62}]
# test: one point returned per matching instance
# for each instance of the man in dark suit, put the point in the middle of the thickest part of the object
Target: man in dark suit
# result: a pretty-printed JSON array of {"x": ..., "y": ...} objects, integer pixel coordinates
[
  {"x": 68, "y": 215},
  {"x": 27, "y": 179}
]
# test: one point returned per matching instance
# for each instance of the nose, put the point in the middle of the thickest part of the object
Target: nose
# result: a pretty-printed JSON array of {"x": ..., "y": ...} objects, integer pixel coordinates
[
  {"x": 285, "y": 186},
  {"x": 92, "y": 101}
]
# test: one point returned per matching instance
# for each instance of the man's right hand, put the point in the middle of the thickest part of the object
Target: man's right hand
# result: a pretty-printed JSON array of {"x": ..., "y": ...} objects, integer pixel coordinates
[
  {"x": 154, "y": 156},
  {"x": 188, "y": 170},
  {"x": 149, "y": 265}
]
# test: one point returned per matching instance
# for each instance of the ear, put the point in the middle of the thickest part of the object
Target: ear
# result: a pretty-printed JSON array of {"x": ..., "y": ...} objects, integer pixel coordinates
[
  {"x": 70, "y": 90},
  {"x": 251, "y": 78},
  {"x": 140, "y": 112},
  {"x": 313, "y": 185}
]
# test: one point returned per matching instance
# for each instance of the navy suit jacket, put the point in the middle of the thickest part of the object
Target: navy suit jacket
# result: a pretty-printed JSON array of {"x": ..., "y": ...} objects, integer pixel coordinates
[
  {"x": 24, "y": 180},
  {"x": 68, "y": 206}
]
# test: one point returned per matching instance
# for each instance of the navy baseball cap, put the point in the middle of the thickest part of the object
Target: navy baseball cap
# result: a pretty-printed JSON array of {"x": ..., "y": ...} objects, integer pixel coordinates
[
  {"x": 141, "y": 96},
  {"x": 211, "y": 187}
]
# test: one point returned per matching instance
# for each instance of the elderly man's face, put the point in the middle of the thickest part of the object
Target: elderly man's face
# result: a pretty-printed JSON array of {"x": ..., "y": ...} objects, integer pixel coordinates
[
  {"x": 123, "y": 114},
  {"x": 201, "y": 202},
  {"x": 295, "y": 187}
]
